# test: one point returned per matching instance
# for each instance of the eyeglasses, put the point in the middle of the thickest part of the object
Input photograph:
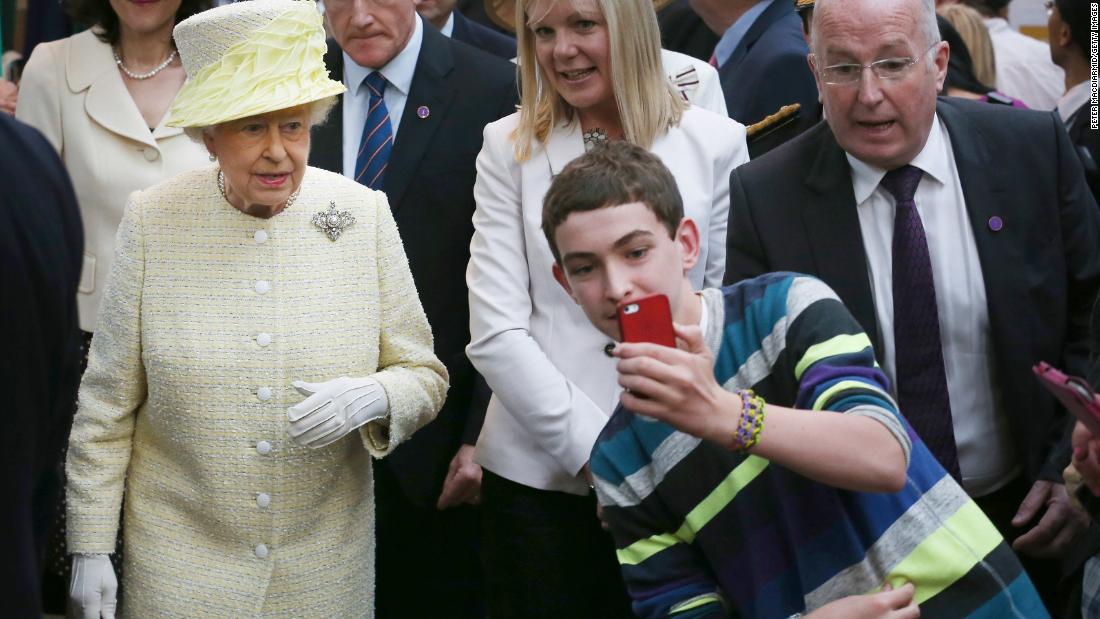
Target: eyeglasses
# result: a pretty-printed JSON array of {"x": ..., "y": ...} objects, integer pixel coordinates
[{"x": 885, "y": 69}]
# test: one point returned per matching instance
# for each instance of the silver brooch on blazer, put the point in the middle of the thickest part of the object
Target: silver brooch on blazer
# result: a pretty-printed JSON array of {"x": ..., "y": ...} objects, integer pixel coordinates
[{"x": 333, "y": 222}]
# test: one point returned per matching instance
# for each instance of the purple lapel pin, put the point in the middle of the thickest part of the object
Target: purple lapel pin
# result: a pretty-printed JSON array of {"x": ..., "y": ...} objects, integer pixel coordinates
[
  {"x": 996, "y": 223},
  {"x": 423, "y": 112}
]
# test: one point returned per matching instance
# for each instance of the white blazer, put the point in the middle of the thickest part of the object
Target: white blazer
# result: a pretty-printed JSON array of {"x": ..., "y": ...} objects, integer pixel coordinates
[
  {"x": 72, "y": 92},
  {"x": 553, "y": 387}
]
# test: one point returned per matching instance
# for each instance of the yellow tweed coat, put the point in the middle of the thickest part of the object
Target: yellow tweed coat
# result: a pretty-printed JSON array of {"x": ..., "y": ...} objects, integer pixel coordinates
[{"x": 208, "y": 316}]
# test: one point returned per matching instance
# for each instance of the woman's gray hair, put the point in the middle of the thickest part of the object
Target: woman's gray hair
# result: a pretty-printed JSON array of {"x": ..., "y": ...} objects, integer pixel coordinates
[
  {"x": 318, "y": 112},
  {"x": 926, "y": 17}
]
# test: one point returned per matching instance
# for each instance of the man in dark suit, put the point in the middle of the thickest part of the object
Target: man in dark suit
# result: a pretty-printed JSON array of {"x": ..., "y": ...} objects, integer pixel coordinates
[
  {"x": 963, "y": 238},
  {"x": 761, "y": 56},
  {"x": 443, "y": 15},
  {"x": 683, "y": 31},
  {"x": 437, "y": 94},
  {"x": 41, "y": 249}
]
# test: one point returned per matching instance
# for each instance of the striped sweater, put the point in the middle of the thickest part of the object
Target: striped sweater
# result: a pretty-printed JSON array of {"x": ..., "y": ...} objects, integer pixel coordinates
[{"x": 701, "y": 531}]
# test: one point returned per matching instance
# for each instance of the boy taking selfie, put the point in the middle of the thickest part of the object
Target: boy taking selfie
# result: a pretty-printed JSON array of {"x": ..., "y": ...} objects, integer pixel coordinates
[{"x": 760, "y": 468}]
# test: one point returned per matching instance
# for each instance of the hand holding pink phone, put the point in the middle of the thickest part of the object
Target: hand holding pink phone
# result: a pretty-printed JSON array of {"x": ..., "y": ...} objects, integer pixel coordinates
[{"x": 1074, "y": 393}]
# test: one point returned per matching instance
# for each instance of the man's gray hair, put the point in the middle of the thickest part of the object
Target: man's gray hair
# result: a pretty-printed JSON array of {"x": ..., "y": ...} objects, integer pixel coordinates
[{"x": 929, "y": 27}]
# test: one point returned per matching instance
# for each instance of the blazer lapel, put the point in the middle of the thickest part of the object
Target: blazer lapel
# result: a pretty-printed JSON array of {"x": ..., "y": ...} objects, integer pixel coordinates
[
  {"x": 775, "y": 11},
  {"x": 832, "y": 227},
  {"x": 327, "y": 148},
  {"x": 430, "y": 95},
  {"x": 985, "y": 193},
  {"x": 91, "y": 66},
  {"x": 564, "y": 144}
]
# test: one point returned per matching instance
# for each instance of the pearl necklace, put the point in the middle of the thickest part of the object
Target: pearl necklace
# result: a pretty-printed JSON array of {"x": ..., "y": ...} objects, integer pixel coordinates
[{"x": 144, "y": 76}]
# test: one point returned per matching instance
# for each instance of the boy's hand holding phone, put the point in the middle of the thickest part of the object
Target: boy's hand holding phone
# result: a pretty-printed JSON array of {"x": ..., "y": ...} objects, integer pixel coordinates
[{"x": 677, "y": 385}]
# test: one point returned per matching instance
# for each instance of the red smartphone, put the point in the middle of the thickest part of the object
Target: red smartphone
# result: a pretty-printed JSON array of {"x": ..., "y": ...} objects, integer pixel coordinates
[
  {"x": 1074, "y": 393},
  {"x": 648, "y": 319}
]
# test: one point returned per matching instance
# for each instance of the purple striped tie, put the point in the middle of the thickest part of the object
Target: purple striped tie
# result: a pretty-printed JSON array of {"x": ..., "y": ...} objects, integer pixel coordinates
[
  {"x": 921, "y": 377},
  {"x": 377, "y": 140}
]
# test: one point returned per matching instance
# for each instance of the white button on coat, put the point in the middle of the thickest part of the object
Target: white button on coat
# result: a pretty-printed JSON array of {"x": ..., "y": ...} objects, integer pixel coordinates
[
  {"x": 260, "y": 236},
  {"x": 263, "y": 339},
  {"x": 263, "y": 499},
  {"x": 261, "y": 551},
  {"x": 264, "y": 393},
  {"x": 263, "y": 286},
  {"x": 263, "y": 447},
  {"x": 150, "y": 154}
]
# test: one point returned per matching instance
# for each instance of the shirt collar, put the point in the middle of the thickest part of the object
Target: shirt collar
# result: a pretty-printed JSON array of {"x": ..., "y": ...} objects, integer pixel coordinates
[
  {"x": 1073, "y": 100},
  {"x": 733, "y": 35},
  {"x": 398, "y": 71},
  {"x": 932, "y": 160},
  {"x": 448, "y": 28}
]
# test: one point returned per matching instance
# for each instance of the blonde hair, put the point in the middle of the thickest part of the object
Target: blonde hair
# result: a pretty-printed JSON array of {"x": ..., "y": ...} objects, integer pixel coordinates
[
  {"x": 648, "y": 105},
  {"x": 975, "y": 35}
]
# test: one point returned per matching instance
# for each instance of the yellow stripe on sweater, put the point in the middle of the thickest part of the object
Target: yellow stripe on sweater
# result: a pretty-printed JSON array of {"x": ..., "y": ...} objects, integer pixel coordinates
[{"x": 703, "y": 513}]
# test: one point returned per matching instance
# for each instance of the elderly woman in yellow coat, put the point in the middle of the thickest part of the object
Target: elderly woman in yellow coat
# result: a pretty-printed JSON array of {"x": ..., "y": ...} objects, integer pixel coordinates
[{"x": 260, "y": 339}]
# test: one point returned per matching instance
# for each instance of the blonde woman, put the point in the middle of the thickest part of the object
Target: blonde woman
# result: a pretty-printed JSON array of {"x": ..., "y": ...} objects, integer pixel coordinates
[
  {"x": 590, "y": 72},
  {"x": 261, "y": 339},
  {"x": 971, "y": 27}
]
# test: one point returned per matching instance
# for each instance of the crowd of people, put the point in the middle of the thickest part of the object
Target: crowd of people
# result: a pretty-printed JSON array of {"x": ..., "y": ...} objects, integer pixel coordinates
[{"x": 315, "y": 305}]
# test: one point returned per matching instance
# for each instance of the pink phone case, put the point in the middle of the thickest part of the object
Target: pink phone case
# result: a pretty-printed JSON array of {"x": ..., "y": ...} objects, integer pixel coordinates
[
  {"x": 1074, "y": 393},
  {"x": 648, "y": 319}
]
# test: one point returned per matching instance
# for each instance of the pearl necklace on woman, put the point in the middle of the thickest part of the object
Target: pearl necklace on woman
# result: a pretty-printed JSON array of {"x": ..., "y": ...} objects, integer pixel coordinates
[{"x": 144, "y": 76}]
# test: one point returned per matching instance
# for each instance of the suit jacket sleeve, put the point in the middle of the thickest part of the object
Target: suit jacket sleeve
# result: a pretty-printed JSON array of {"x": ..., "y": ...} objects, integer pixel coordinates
[
  {"x": 1080, "y": 226},
  {"x": 744, "y": 254},
  {"x": 558, "y": 415},
  {"x": 112, "y": 390},
  {"x": 39, "y": 93},
  {"x": 413, "y": 377}
]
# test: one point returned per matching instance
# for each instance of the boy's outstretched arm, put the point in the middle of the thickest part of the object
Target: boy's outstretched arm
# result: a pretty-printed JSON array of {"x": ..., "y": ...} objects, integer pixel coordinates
[{"x": 677, "y": 386}]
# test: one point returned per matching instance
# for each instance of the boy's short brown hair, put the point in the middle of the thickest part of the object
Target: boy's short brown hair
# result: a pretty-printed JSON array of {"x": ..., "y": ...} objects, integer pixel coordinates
[{"x": 612, "y": 174}]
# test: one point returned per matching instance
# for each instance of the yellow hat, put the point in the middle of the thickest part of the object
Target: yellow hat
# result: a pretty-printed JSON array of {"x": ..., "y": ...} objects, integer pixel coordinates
[{"x": 249, "y": 58}]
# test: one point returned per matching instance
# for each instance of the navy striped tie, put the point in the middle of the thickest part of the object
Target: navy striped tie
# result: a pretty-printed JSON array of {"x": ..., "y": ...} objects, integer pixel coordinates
[{"x": 377, "y": 140}]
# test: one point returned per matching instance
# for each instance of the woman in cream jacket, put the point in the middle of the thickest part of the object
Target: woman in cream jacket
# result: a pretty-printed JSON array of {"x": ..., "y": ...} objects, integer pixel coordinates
[
  {"x": 260, "y": 340},
  {"x": 95, "y": 115}
]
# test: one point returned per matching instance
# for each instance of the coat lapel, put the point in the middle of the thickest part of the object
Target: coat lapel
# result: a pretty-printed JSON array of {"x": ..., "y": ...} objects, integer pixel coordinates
[
  {"x": 832, "y": 227},
  {"x": 430, "y": 95},
  {"x": 778, "y": 9},
  {"x": 984, "y": 190},
  {"x": 562, "y": 146},
  {"x": 91, "y": 66}
]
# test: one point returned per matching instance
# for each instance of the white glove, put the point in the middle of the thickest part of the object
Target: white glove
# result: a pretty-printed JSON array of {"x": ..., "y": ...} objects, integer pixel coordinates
[
  {"x": 93, "y": 587},
  {"x": 334, "y": 408}
]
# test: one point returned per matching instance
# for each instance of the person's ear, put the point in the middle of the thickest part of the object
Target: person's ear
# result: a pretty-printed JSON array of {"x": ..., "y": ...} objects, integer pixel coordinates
[
  {"x": 687, "y": 237},
  {"x": 559, "y": 275},
  {"x": 1065, "y": 38},
  {"x": 208, "y": 141},
  {"x": 940, "y": 60}
]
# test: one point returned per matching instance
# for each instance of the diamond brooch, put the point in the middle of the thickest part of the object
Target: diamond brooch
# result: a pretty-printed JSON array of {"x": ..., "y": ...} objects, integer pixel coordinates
[{"x": 333, "y": 222}]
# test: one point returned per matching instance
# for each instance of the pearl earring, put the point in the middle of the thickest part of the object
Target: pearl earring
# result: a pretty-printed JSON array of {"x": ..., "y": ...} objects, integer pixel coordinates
[{"x": 213, "y": 157}]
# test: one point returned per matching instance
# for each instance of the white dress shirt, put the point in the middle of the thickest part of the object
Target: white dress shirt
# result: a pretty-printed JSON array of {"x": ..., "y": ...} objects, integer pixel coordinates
[
  {"x": 398, "y": 72},
  {"x": 987, "y": 457},
  {"x": 1073, "y": 100},
  {"x": 448, "y": 28},
  {"x": 1024, "y": 68}
]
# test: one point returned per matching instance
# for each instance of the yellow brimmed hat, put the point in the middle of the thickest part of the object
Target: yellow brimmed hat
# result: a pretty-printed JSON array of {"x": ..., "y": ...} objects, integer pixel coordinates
[{"x": 249, "y": 58}]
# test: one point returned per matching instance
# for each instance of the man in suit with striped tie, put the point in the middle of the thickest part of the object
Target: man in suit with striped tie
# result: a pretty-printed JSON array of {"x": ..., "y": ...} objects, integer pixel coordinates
[{"x": 411, "y": 125}]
